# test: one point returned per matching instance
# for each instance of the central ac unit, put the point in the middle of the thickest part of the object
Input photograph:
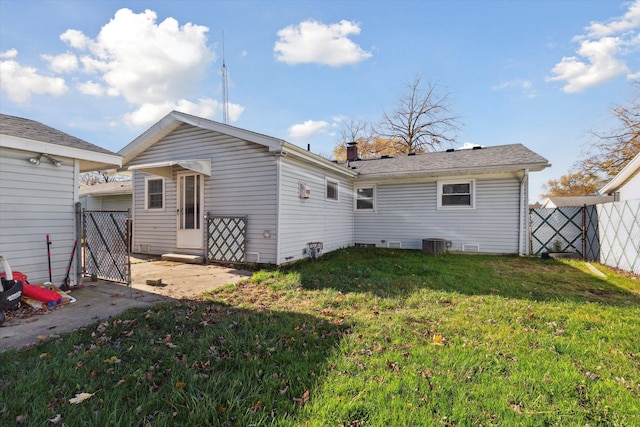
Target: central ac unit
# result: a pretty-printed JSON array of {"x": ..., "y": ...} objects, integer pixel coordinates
[{"x": 434, "y": 246}]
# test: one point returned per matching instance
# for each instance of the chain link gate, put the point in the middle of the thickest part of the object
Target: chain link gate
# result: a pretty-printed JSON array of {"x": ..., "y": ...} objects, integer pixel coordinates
[
  {"x": 226, "y": 238},
  {"x": 106, "y": 237}
]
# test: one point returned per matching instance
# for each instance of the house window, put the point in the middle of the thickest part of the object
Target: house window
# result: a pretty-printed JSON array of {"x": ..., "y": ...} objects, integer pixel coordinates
[
  {"x": 456, "y": 194},
  {"x": 154, "y": 194},
  {"x": 333, "y": 188},
  {"x": 365, "y": 198}
]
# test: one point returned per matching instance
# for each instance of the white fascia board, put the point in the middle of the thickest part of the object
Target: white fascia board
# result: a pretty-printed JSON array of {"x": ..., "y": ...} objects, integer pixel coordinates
[
  {"x": 40, "y": 147},
  {"x": 451, "y": 172},
  {"x": 623, "y": 176}
]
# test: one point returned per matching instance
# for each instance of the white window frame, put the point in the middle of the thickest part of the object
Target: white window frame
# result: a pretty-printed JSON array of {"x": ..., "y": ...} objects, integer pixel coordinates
[
  {"x": 472, "y": 190},
  {"x": 327, "y": 181},
  {"x": 373, "y": 199},
  {"x": 146, "y": 194}
]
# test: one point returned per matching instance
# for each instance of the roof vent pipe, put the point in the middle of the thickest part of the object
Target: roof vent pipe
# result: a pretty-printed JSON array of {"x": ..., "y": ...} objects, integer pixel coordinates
[{"x": 352, "y": 151}]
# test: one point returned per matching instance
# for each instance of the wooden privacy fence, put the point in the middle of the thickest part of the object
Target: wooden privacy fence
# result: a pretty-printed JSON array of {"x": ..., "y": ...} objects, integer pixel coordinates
[{"x": 608, "y": 233}]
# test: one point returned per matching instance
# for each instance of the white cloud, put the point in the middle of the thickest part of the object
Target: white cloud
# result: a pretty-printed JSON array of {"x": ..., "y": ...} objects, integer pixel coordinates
[
  {"x": 63, "y": 63},
  {"x": 144, "y": 61},
  {"x": 154, "y": 66},
  {"x": 526, "y": 87},
  {"x": 307, "y": 129},
  {"x": 10, "y": 54},
  {"x": 20, "y": 82},
  {"x": 314, "y": 42},
  {"x": 629, "y": 21},
  {"x": 602, "y": 65},
  {"x": 91, "y": 88},
  {"x": 599, "y": 57},
  {"x": 150, "y": 113},
  {"x": 633, "y": 76}
]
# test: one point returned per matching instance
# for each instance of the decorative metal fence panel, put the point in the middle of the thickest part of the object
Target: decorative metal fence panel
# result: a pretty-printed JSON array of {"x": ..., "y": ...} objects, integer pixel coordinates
[
  {"x": 620, "y": 235},
  {"x": 226, "y": 238},
  {"x": 556, "y": 230},
  {"x": 106, "y": 245},
  {"x": 592, "y": 238}
]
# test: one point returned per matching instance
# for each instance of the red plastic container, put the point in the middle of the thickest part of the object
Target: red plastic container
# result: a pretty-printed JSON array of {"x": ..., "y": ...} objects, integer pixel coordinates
[{"x": 51, "y": 298}]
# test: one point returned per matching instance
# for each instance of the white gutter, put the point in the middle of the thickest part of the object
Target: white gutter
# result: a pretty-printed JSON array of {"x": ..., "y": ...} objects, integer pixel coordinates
[
  {"x": 37, "y": 147},
  {"x": 452, "y": 171}
]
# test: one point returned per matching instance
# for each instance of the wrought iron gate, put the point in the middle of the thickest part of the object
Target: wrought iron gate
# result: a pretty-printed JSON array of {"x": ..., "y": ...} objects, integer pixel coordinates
[
  {"x": 106, "y": 237},
  {"x": 226, "y": 238}
]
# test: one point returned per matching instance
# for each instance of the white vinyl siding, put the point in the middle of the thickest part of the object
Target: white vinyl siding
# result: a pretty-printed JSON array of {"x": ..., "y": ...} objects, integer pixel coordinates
[
  {"x": 407, "y": 212},
  {"x": 114, "y": 202},
  {"x": 242, "y": 183},
  {"x": 36, "y": 201},
  {"x": 315, "y": 219}
]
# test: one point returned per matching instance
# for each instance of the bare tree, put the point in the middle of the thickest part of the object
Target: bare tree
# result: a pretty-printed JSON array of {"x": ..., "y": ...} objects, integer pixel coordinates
[
  {"x": 614, "y": 149},
  {"x": 98, "y": 177},
  {"x": 354, "y": 131},
  {"x": 422, "y": 121}
]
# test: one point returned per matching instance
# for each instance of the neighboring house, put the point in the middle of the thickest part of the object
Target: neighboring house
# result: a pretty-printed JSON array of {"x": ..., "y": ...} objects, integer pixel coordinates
[
  {"x": 107, "y": 196},
  {"x": 39, "y": 169},
  {"x": 185, "y": 167},
  {"x": 572, "y": 201},
  {"x": 626, "y": 185}
]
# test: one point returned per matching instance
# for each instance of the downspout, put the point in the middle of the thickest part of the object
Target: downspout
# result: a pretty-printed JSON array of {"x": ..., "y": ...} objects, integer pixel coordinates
[
  {"x": 523, "y": 235},
  {"x": 278, "y": 201}
]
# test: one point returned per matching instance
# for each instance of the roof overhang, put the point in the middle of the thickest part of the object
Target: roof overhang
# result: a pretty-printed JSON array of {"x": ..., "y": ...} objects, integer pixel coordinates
[
  {"x": 89, "y": 160},
  {"x": 623, "y": 176},
  {"x": 165, "y": 169},
  {"x": 518, "y": 170},
  {"x": 175, "y": 119}
]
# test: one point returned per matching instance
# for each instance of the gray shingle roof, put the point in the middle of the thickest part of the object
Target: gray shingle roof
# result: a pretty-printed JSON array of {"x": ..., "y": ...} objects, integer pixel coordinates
[
  {"x": 114, "y": 187},
  {"x": 30, "y": 129},
  {"x": 496, "y": 158}
]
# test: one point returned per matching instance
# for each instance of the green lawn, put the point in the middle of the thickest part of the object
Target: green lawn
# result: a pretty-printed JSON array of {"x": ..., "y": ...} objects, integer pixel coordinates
[{"x": 361, "y": 337}]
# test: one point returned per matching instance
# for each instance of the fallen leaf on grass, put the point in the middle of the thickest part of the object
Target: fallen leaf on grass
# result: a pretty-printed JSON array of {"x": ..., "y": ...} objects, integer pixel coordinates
[
  {"x": 303, "y": 399},
  {"x": 181, "y": 384},
  {"x": 81, "y": 397},
  {"x": 56, "y": 419},
  {"x": 43, "y": 355},
  {"x": 439, "y": 340}
]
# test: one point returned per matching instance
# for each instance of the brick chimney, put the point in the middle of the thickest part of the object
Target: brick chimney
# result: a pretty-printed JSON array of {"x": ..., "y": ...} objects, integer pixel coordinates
[{"x": 352, "y": 151}]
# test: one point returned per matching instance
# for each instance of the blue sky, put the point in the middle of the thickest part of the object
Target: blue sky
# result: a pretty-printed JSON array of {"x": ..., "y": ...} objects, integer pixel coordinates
[{"x": 541, "y": 73}]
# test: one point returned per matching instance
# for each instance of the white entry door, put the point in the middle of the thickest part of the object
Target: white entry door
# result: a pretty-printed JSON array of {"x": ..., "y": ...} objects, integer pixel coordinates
[{"x": 190, "y": 216}]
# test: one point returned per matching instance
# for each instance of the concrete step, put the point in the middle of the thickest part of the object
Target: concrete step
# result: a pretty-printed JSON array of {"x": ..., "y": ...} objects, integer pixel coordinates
[{"x": 184, "y": 258}]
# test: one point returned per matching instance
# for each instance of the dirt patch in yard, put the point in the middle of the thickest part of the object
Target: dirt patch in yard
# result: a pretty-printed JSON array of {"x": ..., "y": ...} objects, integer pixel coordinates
[{"x": 179, "y": 280}]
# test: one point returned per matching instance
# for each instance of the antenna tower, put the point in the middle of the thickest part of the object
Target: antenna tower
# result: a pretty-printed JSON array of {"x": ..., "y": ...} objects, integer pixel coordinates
[{"x": 225, "y": 88}]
